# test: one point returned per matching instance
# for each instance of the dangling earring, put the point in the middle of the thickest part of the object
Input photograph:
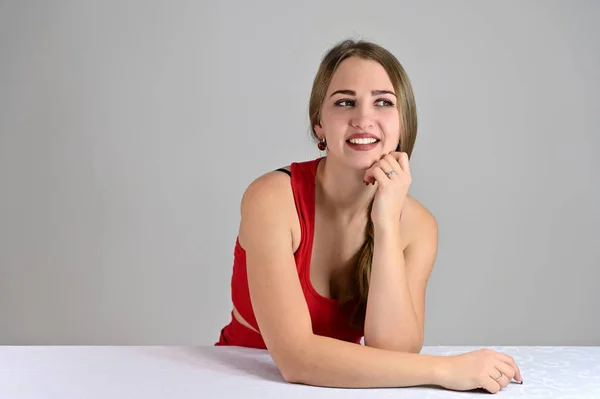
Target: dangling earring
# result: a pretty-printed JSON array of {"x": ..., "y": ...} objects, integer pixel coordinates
[{"x": 322, "y": 144}]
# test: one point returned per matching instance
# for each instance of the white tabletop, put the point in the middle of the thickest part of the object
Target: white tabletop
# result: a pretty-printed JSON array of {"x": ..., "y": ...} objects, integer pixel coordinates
[{"x": 227, "y": 372}]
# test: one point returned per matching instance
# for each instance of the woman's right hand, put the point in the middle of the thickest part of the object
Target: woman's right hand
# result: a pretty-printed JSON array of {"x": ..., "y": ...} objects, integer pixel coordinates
[{"x": 479, "y": 369}]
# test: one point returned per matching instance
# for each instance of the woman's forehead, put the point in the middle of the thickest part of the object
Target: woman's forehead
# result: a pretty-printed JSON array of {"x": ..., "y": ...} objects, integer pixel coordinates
[{"x": 360, "y": 75}]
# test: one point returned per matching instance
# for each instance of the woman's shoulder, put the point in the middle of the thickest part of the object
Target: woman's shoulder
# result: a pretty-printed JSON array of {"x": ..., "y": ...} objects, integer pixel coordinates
[
  {"x": 276, "y": 182},
  {"x": 418, "y": 219},
  {"x": 267, "y": 203},
  {"x": 417, "y": 208}
]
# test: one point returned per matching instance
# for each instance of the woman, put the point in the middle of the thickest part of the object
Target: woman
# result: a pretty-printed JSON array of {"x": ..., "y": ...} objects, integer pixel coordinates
[{"x": 334, "y": 249}]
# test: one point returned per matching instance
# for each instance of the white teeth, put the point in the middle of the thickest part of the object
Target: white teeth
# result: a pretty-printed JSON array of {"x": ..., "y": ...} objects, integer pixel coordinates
[{"x": 362, "y": 141}]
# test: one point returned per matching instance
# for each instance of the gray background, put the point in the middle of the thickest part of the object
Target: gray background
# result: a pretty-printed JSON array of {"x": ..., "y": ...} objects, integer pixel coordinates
[{"x": 129, "y": 131}]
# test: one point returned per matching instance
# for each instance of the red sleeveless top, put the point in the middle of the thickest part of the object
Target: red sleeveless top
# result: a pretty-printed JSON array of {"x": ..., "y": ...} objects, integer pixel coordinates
[{"x": 328, "y": 317}]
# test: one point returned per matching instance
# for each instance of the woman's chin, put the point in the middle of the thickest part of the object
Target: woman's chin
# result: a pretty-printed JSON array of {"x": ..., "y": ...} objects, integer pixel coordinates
[
  {"x": 361, "y": 164},
  {"x": 362, "y": 160}
]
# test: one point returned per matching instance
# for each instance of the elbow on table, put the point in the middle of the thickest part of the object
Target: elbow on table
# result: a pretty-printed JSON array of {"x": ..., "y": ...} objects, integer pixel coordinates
[
  {"x": 295, "y": 372},
  {"x": 290, "y": 369},
  {"x": 293, "y": 376},
  {"x": 408, "y": 345},
  {"x": 415, "y": 347},
  {"x": 292, "y": 363}
]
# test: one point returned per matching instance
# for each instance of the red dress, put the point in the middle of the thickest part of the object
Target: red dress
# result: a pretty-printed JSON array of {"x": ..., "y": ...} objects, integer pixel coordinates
[{"x": 328, "y": 318}]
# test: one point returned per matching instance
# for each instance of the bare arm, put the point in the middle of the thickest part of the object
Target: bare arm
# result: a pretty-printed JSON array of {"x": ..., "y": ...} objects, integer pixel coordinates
[
  {"x": 396, "y": 303},
  {"x": 268, "y": 214}
]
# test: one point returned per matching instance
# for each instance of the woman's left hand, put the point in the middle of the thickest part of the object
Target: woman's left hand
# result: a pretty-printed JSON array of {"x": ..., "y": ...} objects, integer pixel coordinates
[{"x": 392, "y": 189}]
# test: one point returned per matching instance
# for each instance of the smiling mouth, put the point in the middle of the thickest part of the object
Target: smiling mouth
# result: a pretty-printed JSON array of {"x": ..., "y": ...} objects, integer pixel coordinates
[{"x": 362, "y": 141}]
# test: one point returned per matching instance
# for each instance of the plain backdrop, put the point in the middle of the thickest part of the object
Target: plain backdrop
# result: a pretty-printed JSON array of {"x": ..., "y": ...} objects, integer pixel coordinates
[{"x": 130, "y": 129}]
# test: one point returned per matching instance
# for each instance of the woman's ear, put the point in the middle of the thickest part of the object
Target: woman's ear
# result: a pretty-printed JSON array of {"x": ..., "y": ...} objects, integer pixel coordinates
[{"x": 318, "y": 130}]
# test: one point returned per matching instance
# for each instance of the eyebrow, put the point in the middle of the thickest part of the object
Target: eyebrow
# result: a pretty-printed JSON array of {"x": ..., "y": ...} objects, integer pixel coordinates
[{"x": 353, "y": 93}]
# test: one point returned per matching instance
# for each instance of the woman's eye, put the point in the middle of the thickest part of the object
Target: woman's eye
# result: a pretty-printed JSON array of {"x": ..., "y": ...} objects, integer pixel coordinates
[
  {"x": 344, "y": 103},
  {"x": 385, "y": 103},
  {"x": 349, "y": 103}
]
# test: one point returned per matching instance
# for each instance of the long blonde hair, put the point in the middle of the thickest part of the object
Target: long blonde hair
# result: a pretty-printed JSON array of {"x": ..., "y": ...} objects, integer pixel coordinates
[{"x": 408, "y": 133}]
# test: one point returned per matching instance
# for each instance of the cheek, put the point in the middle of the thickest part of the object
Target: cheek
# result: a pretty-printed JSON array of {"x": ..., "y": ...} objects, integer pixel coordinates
[
  {"x": 391, "y": 122},
  {"x": 334, "y": 118}
]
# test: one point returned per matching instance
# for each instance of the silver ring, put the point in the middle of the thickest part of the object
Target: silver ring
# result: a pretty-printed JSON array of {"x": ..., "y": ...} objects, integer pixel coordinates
[
  {"x": 391, "y": 172},
  {"x": 498, "y": 379}
]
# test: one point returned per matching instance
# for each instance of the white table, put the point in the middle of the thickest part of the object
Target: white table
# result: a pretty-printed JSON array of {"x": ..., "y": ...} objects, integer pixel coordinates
[{"x": 228, "y": 372}]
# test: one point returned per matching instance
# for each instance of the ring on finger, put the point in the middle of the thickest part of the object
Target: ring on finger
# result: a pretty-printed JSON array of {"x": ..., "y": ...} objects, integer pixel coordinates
[
  {"x": 391, "y": 172},
  {"x": 498, "y": 379}
]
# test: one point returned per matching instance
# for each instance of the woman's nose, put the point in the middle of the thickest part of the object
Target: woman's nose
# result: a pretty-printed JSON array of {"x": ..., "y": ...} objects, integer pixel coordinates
[{"x": 362, "y": 119}]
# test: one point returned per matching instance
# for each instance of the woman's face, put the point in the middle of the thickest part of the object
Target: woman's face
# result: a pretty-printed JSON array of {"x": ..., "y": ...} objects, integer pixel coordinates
[{"x": 359, "y": 117}]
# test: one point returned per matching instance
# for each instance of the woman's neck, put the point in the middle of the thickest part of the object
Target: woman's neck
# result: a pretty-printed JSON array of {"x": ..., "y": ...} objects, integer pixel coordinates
[{"x": 342, "y": 191}]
